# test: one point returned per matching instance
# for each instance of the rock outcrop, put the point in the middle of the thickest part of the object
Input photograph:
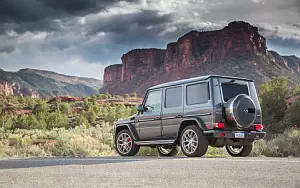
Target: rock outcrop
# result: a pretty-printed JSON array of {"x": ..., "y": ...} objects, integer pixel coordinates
[
  {"x": 236, "y": 50},
  {"x": 6, "y": 89}
]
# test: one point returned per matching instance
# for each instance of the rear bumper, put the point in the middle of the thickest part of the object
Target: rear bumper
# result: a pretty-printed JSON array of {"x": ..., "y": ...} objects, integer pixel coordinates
[{"x": 253, "y": 135}]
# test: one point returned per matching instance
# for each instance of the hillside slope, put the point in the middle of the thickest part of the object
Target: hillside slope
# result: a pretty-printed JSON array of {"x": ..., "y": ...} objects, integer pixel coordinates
[{"x": 31, "y": 82}]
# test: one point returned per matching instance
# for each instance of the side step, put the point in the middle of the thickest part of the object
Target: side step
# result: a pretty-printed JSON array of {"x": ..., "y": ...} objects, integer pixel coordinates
[{"x": 155, "y": 142}]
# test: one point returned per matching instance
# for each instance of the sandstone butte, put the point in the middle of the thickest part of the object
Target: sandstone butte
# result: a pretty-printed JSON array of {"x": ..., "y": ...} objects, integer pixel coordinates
[{"x": 236, "y": 50}]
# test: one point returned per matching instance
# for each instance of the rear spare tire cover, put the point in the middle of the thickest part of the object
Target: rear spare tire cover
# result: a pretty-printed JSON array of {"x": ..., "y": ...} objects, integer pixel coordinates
[{"x": 241, "y": 111}]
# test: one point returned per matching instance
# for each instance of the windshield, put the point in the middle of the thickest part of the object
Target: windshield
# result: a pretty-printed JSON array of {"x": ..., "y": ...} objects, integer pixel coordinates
[{"x": 231, "y": 89}]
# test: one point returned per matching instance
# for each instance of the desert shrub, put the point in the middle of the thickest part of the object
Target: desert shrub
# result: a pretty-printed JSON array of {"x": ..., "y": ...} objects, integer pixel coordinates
[
  {"x": 4, "y": 148},
  {"x": 147, "y": 151},
  {"x": 216, "y": 152},
  {"x": 79, "y": 142},
  {"x": 283, "y": 145},
  {"x": 258, "y": 148}
]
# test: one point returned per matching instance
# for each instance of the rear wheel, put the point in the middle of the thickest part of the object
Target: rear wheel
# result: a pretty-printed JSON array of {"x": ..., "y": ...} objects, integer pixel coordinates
[
  {"x": 239, "y": 151},
  {"x": 193, "y": 142},
  {"x": 167, "y": 150},
  {"x": 125, "y": 145}
]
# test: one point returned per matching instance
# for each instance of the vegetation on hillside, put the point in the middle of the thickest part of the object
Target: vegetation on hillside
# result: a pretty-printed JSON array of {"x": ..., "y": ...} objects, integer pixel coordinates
[{"x": 50, "y": 84}]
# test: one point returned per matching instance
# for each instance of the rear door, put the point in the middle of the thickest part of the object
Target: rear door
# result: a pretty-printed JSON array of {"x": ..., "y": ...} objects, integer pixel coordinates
[{"x": 172, "y": 113}]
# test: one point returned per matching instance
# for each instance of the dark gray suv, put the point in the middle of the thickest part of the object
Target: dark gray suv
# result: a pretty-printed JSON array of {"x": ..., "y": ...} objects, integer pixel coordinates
[{"x": 193, "y": 114}]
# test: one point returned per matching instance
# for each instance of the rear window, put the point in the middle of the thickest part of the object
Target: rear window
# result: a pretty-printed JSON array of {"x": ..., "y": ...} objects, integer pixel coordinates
[{"x": 231, "y": 90}]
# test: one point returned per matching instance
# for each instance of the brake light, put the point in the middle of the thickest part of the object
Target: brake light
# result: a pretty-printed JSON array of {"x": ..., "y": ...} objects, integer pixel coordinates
[
  {"x": 259, "y": 127},
  {"x": 219, "y": 125}
]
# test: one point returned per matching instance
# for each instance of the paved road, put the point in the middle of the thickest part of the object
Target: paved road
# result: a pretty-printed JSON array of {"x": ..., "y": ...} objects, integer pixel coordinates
[{"x": 150, "y": 172}]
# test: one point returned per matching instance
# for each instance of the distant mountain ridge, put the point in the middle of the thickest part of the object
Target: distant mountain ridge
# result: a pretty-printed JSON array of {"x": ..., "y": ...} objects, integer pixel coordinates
[
  {"x": 33, "y": 82},
  {"x": 236, "y": 50}
]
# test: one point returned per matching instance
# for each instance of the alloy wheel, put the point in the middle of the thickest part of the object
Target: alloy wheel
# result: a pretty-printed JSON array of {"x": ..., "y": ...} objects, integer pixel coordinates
[
  {"x": 235, "y": 150},
  {"x": 189, "y": 141},
  {"x": 124, "y": 143}
]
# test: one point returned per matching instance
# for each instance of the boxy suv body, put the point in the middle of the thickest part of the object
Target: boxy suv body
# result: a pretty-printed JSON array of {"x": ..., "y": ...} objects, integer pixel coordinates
[{"x": 194, "y": 113}]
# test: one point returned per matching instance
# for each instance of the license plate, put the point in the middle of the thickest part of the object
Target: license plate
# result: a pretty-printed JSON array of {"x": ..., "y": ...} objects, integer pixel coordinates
[{"x": 239, "y": 135}]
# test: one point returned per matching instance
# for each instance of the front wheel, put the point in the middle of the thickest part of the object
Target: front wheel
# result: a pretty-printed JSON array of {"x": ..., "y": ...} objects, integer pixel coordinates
[
  {"x": 193, "y": 142},
  {"x": 239, "y": 151},
  {"x": 125, "y": 145},
  {"x": 168, "y": 150}
]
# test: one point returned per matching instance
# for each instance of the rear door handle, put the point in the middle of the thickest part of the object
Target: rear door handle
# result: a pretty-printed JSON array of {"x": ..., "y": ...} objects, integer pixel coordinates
[
  {"x": 157, "y": 118},
  {"x": 179, "y": 116}
]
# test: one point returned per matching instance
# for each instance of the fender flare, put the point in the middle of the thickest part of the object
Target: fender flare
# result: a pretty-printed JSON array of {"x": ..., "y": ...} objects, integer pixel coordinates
[
  {"x": 198, "y": 120},
  {"x": 130, "y": 127}
]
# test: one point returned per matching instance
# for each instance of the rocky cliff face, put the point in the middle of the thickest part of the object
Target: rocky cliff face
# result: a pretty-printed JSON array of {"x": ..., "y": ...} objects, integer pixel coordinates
[
  {"x": 293, "y": 62},
  {"x": 236, "y": 50},
  {"x": 141, "y": 62},
  {"x": 113, "y": 74},
  {"x": 6, "y": 89}
]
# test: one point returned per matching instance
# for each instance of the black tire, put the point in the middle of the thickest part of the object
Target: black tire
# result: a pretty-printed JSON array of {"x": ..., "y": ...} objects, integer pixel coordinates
[
  {"x": 202, "y": 143},
  {"x": 246, "y": 151},
  {"x": 173, "y": 151},
  {"x": 134, "y": 149}
]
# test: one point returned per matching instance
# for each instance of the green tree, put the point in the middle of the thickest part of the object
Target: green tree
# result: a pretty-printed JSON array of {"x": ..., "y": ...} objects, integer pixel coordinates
[
  {"x": 296, "y": 90},
  {"x": 32, "y": 122},
  {"x": 40, "y": 108},
  {"x": 294, "y": 114},
  {"x": 133, "y": 94},
  {"x": 91, "y": 116},
  {"x": 81, "y": 120},
  {"x": 272, "y": 99},
  {"x": 6, "y": 121},
  {"x": 21, "y": 122},
  {"x": 126, "y": 96},
  {"x": 57, "y": 120},
  {"x": 65, "y": 109}
]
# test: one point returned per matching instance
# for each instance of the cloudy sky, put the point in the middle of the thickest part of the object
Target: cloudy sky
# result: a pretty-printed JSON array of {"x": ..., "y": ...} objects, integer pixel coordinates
[{"x": 81, "y": 37}]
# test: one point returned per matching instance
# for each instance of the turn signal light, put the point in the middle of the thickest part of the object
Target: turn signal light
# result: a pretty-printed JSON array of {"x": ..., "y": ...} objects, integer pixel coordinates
[
  {"x": 219, "y": 125},
  {"x": 259, "y": 127}
]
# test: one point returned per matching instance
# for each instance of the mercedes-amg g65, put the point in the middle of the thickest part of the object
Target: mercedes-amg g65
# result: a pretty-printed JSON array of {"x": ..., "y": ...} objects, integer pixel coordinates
[{"x": 194, "y": 113}]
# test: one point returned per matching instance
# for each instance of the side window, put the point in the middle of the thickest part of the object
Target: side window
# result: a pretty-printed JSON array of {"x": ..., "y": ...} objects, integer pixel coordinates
[
  {"x": 197, "y": 93},
  {"x": 173, "y": 97},
  {"x": 154, "y": 100}
]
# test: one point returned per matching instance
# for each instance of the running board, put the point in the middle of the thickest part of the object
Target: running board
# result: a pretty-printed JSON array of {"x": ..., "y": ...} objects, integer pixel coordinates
[{"x": 155, "y": 142}]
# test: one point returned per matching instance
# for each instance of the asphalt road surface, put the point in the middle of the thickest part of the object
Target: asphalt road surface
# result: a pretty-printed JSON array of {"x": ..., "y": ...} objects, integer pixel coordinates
[{"x": 149, "y": 172}]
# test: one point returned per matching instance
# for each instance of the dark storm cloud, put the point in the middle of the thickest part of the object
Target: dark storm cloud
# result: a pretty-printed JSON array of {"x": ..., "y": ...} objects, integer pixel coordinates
[
  {"x": 297, "y": 25},
  {"x": 131, "y": 22},
  {"x": 39, "y": 14},
  {"x": 6, "y": 49}
]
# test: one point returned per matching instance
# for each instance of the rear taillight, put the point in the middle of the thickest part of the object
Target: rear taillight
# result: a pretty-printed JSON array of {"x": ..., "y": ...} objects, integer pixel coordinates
[
  {"x": 258, "y": 127},
  {"x": 219, "y": 125}
]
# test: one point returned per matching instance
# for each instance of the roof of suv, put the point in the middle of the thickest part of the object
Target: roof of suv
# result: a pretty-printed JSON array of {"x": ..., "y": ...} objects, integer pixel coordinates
[{"x": 178, "y": 82}]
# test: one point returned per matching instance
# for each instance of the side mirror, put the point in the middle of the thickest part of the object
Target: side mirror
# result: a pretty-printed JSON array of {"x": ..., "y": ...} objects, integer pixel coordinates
[{"x": 140, "y": 108}]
